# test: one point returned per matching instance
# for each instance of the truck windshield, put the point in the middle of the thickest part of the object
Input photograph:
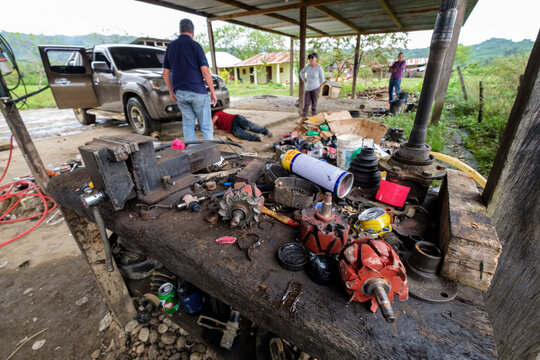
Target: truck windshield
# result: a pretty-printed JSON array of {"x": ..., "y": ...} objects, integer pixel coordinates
[{"x": 127, "y": 58}]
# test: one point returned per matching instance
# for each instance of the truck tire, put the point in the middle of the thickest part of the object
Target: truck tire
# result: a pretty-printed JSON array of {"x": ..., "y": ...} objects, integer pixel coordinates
[
  {"x": 83, "y": 117},
  {"x": 139, "y": 119}
]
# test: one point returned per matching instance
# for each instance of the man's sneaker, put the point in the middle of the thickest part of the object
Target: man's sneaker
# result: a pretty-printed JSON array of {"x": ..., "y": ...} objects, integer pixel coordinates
[
  {"x": 257, "y": 138},
  {"x": 269, "y": 133}
]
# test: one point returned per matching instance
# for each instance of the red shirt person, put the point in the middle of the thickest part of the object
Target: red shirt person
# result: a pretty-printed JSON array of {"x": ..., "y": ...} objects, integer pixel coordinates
[{"x": 239, "y": 126}]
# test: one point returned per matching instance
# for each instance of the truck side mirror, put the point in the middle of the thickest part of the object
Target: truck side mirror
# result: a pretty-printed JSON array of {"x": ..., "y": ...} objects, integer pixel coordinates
[{"x": 101, "y": 66}]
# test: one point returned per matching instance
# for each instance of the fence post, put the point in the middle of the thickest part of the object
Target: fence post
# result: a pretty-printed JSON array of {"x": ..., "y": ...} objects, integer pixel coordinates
[
  {"x": 463, "y": 88},
  {"x": 481, "y": 104}
]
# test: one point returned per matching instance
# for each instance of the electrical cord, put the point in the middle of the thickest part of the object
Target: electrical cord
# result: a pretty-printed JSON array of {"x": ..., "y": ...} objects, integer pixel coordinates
[
  {"x": 196, "y": 142},
  {"x": 23, "y": 188},
  {"x": 6, "y": 48}
]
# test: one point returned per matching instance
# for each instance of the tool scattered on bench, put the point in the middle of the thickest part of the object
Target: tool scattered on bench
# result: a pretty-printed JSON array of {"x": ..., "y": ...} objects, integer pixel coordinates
[{"x": 229, "y": 329}]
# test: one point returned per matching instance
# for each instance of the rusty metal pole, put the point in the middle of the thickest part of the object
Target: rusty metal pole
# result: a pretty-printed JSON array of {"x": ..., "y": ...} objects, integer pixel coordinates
[
  {"x": 355, "y": 67},
  {"x": 291, "y": 67},
  {"x": 412, "y": 164},
  {"x": 302, "y": 57},
  {"x": 440, "y": 41},
  {"x": 212, "y": 46},
  {"x": 24, "y": 141}
]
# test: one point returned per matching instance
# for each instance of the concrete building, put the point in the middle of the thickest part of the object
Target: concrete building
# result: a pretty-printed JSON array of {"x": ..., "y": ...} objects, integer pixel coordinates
[{"x": 264, "y": 68}]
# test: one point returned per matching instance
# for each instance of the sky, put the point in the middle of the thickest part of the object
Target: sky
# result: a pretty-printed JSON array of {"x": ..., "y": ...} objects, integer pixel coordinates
[{"x": 490, "y": 18}]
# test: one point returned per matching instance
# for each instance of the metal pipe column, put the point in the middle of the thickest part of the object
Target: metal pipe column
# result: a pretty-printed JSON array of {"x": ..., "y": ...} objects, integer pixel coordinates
[{"x": 440, "y": 40}]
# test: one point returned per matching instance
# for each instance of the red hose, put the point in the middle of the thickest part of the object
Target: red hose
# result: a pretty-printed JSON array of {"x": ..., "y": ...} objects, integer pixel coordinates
[{"x": 21, "y": 194}]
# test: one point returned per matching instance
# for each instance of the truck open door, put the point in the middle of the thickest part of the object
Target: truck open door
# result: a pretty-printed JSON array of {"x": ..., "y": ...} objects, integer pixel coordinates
[{"x": 70, "y": 76}]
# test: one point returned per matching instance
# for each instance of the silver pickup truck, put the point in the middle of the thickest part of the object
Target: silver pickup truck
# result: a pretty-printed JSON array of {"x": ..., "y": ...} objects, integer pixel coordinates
[{"x": 119, "y": 81}]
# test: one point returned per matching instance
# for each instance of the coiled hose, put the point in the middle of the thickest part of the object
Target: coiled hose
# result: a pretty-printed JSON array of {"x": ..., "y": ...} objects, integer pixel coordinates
[{"x": 461, "y": 166}]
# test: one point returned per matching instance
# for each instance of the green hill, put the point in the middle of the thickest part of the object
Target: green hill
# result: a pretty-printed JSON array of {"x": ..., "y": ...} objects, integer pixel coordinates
[
  {"x": 484, "y": 52},
  {"x": 25, "y": 45}
]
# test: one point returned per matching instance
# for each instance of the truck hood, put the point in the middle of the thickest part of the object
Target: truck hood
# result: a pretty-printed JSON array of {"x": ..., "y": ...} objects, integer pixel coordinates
[{"x": 150, "y": 73}]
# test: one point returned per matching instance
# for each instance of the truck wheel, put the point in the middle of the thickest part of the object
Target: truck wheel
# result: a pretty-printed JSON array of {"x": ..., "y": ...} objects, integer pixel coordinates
[
  {"x": 139, "y": 119},
  {"x": 83, "y": 117}
]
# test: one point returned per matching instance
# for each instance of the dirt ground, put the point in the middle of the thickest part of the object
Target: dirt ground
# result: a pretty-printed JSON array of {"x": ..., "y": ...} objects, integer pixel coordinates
[{"x": 44, "y": 281}]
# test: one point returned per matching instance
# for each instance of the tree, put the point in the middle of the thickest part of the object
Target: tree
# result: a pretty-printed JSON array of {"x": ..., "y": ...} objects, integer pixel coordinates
[{"x": 338, "y": 52}]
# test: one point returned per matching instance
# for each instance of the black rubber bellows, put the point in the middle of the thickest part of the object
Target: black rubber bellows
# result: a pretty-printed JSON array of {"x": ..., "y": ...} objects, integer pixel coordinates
[{"x": 365, "y": 168}]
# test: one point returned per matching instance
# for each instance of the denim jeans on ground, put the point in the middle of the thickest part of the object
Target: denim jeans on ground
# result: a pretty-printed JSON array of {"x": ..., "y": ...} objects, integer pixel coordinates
[
  {"x": 195, "y": 106},
  {"x": 241, "y": 124},
  {"x": 394, "y": 84}
]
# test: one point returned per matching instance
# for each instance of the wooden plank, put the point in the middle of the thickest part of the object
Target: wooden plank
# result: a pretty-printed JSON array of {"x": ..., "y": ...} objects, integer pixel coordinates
[
  {"x": 212, "y": 46},
  {"x": 298, "y": 5},
  {"x": 512, "y": 193},
  {"x": 291, "y": 67},
  {"x": 467, "y": 238},
  {"x": 446, "y": 71},
  {"x": 86, "y": 235},
  {"x": 462, "y": 82},
  {"x": 338, "y": 17},
  {"x": 244, "y": 6},
  {"x": 24, "y": 141},
  {"x": 325, "y": 325},
  {"x": 356, "y": 65},
  {"x": 390, "y": 13},
  {"x": 301, "y": 58}
]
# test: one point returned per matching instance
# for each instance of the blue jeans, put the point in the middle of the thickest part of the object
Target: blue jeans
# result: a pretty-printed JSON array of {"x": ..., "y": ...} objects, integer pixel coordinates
[
  {"x": 241, "y": 124},
  {"x": 195, "y": 106},
  {"x": 394, "y": 83}
]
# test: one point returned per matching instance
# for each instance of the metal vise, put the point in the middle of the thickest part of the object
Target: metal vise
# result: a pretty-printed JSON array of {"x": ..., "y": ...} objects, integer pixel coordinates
[{"x": 128, "y": 167}]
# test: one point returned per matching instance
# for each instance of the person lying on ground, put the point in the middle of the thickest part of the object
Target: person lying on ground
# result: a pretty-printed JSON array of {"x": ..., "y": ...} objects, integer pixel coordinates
[{"x": 239, "y": 126}]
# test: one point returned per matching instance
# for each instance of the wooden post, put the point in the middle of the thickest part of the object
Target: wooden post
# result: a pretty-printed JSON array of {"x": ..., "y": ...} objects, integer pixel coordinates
[
  {"x": 302, "y": 57},
  {"x": 236, "y": 74},
  {"x": 356, "y": 64},
  {"x": 480, "y": 102},
  {"x": 444, "y": 78},
  {"x": 24, "y": 141},
  {"x": 212, "y": 47},
  {"x": 113, "y": 288},
  {"x": 511, "y": 194},
  {"x": 291, "y": 67},
  {"x": 462, "y": 82}
]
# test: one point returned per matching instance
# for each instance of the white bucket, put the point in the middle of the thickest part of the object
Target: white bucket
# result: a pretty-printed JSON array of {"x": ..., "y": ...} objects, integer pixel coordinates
[{"x": 346, "y": 145}]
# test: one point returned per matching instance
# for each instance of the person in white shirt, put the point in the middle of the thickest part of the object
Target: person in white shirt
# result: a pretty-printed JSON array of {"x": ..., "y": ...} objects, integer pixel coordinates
[{"x": 313, "y": 76}]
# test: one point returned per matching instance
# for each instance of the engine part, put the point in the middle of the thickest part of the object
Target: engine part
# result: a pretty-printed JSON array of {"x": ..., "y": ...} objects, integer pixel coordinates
[
  {"x": 273, "y": 172},
  {"x": 392, "y": 240},
  {"x": 371, "y": 270},
  {"x": 327, "y": 176},
  {"x": 323, "y": 269},
  {"x": 323, "y": 231},
  {"x": 149, "y": 303},
  {"x": 210, "y": 185},
  {"x": 374, "y": 220},
  {"x": 395, "y": 135},
  {"x": 293, "y": 256},
  {"x": 211, "y": 216},
  {"x": 412, "y": 165},
  {"x": 365, "y": 168},
  {"x": 129, "y": 167},
  {"x": 242, "y": 205},
  {"x": 295, "y": 192},
  {"x": 252, "y": 172},
  {"x": 189, "y": 202},
  {"x": 247, "y": 242},
  {"x": 424, "y": 283}
]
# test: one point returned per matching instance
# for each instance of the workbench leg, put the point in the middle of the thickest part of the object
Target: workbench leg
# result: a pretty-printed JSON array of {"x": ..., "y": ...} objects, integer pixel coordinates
[{"x": 111, "y": 284}]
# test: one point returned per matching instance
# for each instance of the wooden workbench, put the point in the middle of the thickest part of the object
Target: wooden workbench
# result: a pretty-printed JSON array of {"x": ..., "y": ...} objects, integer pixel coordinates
[{"x": 325, "y": 324}]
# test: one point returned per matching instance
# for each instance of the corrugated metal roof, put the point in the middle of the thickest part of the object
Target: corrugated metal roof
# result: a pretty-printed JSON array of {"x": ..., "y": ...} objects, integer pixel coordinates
[
  {"x": 223, "y": 59},
  {"x": 278, "y": 57},
  {"x": 324, "y": 17}
]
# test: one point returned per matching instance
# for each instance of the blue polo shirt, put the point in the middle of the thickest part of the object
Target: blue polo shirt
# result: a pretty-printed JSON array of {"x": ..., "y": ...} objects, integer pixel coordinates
[{"x": 184, "y": 57}]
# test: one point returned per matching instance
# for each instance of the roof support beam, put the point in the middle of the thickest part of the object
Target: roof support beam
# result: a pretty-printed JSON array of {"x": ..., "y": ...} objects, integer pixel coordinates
[
  {"x": 250, "y": 8},
  {"x": 256, "y": 27},
  {"x": 381, "y": 31},
  {"x": 338, "y": 17},
  {"x": 257, "y": 11},
  {"x": 389, "y": 11}
]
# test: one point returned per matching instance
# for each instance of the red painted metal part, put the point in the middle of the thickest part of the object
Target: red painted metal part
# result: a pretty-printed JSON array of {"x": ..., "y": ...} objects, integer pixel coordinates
[
  {"x": 323, "y": 237},
  {"x": 367, "y": 259}
]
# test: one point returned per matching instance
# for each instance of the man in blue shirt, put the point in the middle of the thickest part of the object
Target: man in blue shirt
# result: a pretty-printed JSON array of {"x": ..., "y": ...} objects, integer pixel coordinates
[{"x": 184, "y": 68}]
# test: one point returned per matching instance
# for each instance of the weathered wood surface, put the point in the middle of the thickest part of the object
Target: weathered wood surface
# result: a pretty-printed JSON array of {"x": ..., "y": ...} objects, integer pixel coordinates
[
  {"x": 325, "y": 325},
  {"x": 513, "y": 191},
  {"x": 86, "y": 235},
  {"x": 301, "y": 58},
  {"x": 467, "y": 238}
]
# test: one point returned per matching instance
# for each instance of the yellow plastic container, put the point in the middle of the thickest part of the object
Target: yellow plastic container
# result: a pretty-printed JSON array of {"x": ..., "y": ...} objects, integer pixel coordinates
[{"x": 374, "y": 221}]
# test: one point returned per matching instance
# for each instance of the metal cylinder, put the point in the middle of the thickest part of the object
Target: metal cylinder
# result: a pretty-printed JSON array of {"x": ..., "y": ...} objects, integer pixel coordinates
[
  {"x": 384, "y": 303},
  {"x": 325, "y": 212},
  {"x": 101, "y": 225},
  {"x": 440, "y": 40}
]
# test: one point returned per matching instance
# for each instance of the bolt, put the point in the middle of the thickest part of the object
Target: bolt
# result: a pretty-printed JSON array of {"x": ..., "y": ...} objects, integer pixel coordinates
[
  {"x": 426, "y": 173},
  {"x": 237, "y": 216}
]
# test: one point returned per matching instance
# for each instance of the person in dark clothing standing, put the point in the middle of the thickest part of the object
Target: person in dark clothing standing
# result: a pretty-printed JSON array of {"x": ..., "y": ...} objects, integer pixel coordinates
[
  {"x": 185, "y": 72},
  {"x": 313, "y": 76},
  {"x": 239, "y": 126},
  {"x": 396, "y": 71}
]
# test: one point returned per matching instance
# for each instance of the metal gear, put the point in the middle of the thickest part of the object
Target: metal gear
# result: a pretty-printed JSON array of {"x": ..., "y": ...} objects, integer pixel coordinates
[{"x": 242, "y": 205}]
